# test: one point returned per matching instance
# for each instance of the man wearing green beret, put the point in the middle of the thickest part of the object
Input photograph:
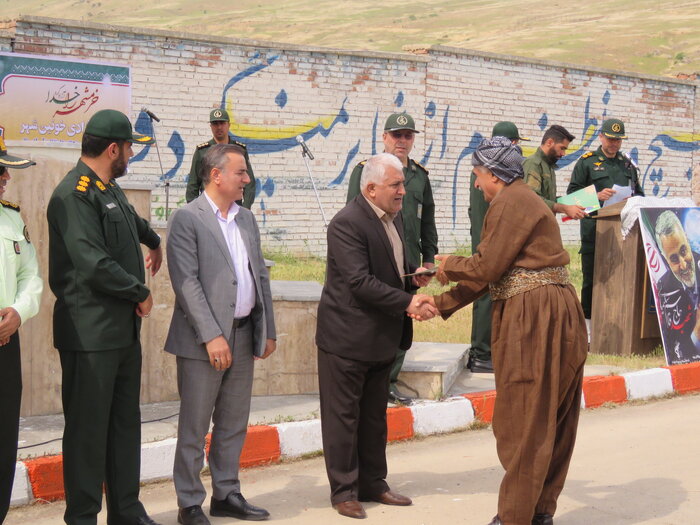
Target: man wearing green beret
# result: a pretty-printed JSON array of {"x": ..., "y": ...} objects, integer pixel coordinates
[
  {"x": 20, "y": 293},
  {"x": 97, "y": 273},
  {"x": 418, "y": 211},
  {"x": 480, "y": 351},
  {"x": 220, "y": 124},
  {"x": 604, "y": 167}
]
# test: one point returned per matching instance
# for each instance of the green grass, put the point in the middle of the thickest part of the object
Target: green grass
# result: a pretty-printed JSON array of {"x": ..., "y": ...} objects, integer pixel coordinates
[
  {"x": 630, "y": 362},
  {"x": 599, "y": 34},
  {"x": 456, "y": 329}
]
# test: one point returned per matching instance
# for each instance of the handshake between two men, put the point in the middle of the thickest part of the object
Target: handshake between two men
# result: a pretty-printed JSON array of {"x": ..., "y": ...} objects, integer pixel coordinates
[{"x": 422, "y": 306}]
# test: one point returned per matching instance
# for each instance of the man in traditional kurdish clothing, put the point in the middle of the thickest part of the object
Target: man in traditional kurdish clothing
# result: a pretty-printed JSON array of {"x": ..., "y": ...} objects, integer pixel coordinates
[
  {"x": 539, "y": 334},
  {"x": 480, "y": 344}
]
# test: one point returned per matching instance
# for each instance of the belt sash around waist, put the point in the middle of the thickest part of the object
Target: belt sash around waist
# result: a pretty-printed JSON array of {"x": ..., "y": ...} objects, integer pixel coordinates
[{"x": 521, "y": 280}]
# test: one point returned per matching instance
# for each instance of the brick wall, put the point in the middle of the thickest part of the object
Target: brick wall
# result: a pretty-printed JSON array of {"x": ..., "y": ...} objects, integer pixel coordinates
[
  {"x": 339, "y": 100},
  {"x": 482, "y": 88}
]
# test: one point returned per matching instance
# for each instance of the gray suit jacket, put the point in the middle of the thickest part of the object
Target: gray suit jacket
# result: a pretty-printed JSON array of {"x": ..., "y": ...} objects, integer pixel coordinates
[{"x": 204, "y": 281}]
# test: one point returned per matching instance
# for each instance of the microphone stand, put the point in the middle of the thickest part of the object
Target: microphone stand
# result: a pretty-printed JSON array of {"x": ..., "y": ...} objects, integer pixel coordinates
[
  {"x": 318, "y": 199},
  {"x": 162, "y": 173}
]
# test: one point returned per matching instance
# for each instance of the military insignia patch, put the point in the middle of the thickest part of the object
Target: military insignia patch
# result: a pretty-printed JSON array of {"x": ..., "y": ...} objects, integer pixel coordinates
[
  {"x": 402, "y": 120},
  {"x": 217, "y": 113},
  {"x": 616, "y": 127},
  {"x": 85, "y": 178},
  {"x": 587, "y": 154},
  {"x": 100, "y": 186},
  {"x": 11, "y": 205},
  {"x": 203, "y": 145},
  {"x": 81, "y": 188},
  {"x": 240, "y": 144},
  {"x": 26, "y": 234}
]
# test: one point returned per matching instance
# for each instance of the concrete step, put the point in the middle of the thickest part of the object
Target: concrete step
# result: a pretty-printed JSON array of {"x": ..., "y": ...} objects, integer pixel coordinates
[{"x": 432, "y": 368}]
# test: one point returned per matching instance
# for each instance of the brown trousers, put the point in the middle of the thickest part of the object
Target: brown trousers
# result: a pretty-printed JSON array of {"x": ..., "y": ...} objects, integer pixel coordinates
[{"x": 539, "y": 349}]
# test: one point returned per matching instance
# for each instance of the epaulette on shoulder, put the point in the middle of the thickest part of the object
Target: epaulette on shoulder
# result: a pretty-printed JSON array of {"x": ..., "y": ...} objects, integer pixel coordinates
[
  {"x": 203, "y": 145},
  {"x": 362, "y": 162},
  {"x": 240, "y": 144},
  {"x": 82, "y": 185},
  {"x": 11, "y": 205},
  {"x": 587, "y": 154},
  {"x": 421, "y": 166}
]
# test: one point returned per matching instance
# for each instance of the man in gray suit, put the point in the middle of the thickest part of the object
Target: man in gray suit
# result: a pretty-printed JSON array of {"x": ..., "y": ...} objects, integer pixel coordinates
[{"x": 222, "y": 321}]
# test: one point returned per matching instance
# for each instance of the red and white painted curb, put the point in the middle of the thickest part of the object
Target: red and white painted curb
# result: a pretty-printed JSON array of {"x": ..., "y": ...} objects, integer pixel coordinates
[{"x": 42, "y": 478}]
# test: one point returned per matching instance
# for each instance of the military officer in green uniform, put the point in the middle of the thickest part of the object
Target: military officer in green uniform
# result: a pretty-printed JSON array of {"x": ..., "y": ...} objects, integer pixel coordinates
[
  {"x": 97, "y": 273},
  {"x": 220, "y": 124},
  {"x": 604, "y": 168},
  {"x": 480, "y": 351},
  {"x": 418, "y": 210},
  {"x": 20, "y": 293},
  {"x": 539, "y": 170}
]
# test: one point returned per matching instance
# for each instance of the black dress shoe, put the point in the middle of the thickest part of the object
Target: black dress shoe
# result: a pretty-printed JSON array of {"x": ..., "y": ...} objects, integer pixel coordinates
[
  {"x": 399, "y": 398},
  {"x": 235, "y": 506},
  {"x": 192, "y": 516},
  {"x": 496, "y": 521},
  {"x": 543, "y": 519},
  {"x": 480, "y": 366}
]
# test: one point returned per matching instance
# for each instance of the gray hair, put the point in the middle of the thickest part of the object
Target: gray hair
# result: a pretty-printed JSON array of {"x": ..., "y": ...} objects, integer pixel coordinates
[
  {"x": 217, "y": 157},
  {"x": 375, "y": 168},
  {"x": 667, "y": 224}
]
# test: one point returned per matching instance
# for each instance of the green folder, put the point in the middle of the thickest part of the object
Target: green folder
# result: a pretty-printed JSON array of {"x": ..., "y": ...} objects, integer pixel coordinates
[{"x": 586, "y": 197}]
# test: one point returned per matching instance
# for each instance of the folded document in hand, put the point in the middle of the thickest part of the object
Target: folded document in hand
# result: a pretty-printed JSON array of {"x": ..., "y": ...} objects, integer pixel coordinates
[
  {"x": 586, "y": 197},
  {"x": 425, "y": 271}
]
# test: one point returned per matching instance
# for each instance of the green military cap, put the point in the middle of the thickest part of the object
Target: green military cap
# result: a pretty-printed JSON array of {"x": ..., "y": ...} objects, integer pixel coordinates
[
  {"x": 614, "y": 128},
  {"x": 397, "y": 121},
  {"x": 508, "y": 130},
  {"x": 219, "y": 115},
  {"x": 10, "y": 161},
  {"x": 113, "y": 124}
]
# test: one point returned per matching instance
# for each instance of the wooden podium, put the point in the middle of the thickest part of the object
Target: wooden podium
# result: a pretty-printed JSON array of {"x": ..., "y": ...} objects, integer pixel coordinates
[{"x": 621, "y": 320}]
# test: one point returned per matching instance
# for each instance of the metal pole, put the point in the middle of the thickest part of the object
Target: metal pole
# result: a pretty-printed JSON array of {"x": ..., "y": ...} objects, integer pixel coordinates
[
  {"x": 162, "y": 173},
  {"x": 318, "y": 199}
]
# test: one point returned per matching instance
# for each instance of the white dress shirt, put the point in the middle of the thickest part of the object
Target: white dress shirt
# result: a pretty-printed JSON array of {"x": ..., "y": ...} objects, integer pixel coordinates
[{"x": 245, "y": 289}]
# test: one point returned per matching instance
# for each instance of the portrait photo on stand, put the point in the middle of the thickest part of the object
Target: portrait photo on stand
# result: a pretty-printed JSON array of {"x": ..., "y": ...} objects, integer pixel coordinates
[{"x": 671, "y": 238}]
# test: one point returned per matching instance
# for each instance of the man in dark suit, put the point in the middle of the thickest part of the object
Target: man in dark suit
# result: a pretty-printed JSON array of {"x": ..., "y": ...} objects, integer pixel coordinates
[
  {"x": 678, "y": 291},
  {"x": 222, "y": 321},
  {"x": 362, "y": 322},
  {"x": 97, "y": 273}
]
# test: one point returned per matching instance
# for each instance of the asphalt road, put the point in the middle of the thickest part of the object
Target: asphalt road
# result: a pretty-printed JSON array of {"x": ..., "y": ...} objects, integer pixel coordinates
[{"x": 636, "y": 464}]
